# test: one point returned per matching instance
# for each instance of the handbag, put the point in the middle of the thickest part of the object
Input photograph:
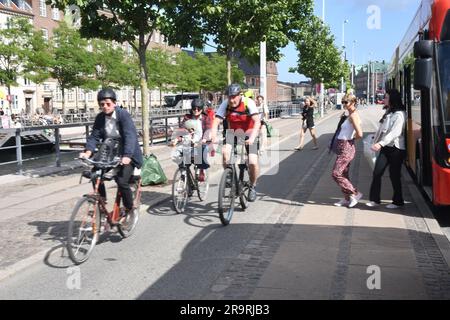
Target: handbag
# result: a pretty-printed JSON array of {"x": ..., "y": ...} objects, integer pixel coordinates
[
  {"x": 269, "y": 128},
  {"x": 332, "y": 147}
]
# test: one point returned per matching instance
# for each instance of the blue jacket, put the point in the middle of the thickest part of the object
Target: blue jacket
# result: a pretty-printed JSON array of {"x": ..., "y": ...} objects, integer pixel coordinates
[{"x": 130, "y": 145}]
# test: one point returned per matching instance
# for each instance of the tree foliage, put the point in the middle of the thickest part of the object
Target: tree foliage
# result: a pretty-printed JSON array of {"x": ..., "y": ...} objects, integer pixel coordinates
[{"x": 319, "y": 58}]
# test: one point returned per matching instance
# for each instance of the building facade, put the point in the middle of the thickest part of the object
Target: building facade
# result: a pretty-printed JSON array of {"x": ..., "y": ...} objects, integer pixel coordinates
[
  {"x": 46, "y": 98},
  {"x": 377, "y": 79}
]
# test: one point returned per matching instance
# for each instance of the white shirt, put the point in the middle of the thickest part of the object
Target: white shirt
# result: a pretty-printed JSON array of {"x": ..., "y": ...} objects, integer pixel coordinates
[
  {"x": 391, "y": 131},
  {"x": 111, "y": 127},
  {"x": 251, "y": 105},
  {"x": 347, "y": 131}
]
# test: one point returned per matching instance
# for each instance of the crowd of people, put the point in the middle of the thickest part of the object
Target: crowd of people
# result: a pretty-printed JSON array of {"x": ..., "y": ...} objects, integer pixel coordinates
[{"x": 13, "y": 120}]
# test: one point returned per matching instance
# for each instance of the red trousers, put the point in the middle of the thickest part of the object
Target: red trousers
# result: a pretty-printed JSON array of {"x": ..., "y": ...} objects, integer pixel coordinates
[{"x": 346, "y": 153}]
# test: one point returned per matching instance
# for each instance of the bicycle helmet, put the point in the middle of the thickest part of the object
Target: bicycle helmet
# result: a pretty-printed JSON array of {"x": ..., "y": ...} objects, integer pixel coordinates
[
  {"x": 234, "y": 90},
  {"x": 106, "y": 93},
  {"x": 190, "y": 125},
  {"x": 197, "y": 103}
]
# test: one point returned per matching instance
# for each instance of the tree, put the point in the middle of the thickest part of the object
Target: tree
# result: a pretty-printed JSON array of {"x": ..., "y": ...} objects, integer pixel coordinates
[
  {"x": 134, "y": 22},
  {"x": 163, "y": 70},
  {"x": 70, "y": 64},
  {"x": 240, "y": 26},
  {"x": 319, "y": 59},
  {"x": 15, "y": 48}
]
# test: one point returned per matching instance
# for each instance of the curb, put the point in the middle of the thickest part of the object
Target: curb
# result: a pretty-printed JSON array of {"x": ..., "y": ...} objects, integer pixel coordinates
[{"x": 433, "y": 226}]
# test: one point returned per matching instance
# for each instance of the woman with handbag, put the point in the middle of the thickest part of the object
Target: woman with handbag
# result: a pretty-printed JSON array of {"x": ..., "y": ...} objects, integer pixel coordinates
[
  {"x": 390, "y": 142},
  {"x": 349, "y": 131},
  {"x": 308, "y": 123}
]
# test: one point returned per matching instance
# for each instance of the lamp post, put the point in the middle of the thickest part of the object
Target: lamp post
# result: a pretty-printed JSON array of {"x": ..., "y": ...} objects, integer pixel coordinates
[
  {"x": 343, "y": 51},
  {"x": 368, "y": 77},
  {"x": 353, "y": 62},
  {"x": 322, "y": 86}
]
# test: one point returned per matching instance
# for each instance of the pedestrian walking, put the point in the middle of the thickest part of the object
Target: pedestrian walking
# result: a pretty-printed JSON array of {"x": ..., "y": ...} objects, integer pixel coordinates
[
  {"x": 264, "y": 115},
  {"x": 390, "y": 142},
  {"x": 350, "y": 130},
  {"x": 308, "y": 123}
]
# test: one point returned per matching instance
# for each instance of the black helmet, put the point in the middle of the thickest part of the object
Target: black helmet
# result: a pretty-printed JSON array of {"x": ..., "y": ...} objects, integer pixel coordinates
[
  {"x": 106, "y": 93},
  {"x": 234, "y": 90},
  {"x": 197, "y": 103}
]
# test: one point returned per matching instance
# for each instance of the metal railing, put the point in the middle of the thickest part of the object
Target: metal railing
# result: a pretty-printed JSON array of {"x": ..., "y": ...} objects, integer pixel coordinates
[{"x": 161, "y": 124}]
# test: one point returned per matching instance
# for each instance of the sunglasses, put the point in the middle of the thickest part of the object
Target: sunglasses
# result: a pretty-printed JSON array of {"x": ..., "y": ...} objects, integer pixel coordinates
[
  {"x": 196, "y": 109},
  {"x": 344, "y": 102}
]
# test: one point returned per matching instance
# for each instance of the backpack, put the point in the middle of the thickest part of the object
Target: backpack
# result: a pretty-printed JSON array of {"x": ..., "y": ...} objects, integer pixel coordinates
[{"x": 332, "y": 147}]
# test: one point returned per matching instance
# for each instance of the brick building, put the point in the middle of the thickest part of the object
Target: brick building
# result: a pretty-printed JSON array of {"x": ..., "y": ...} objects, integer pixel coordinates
[
  {"x": 29, "y": 98},
  {"x": 377, "y": 79}
]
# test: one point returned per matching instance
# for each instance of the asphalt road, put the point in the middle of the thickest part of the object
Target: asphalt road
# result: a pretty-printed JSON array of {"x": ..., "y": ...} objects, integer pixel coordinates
[{"x": 179, "y": 256}]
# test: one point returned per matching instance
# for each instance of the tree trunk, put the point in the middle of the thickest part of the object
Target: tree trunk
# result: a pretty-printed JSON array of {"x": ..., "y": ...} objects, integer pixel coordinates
[
  {"x": 10, "y": 98},
  {"x": 63, "y": 111},
  {"x": 135, "y": 102},
  {"x": 229, "y": 68},
  {"x": 76, "y": 100},
  {"x": 144, "y": 100}
]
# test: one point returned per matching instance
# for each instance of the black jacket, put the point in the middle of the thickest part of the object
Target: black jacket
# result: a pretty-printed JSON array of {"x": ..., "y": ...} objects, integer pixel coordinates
[{"x": 128, "y": 133}]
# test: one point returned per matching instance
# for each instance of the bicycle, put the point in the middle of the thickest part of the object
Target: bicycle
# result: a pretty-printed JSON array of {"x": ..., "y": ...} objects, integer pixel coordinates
[
  {"x": 233, "y": 186},
  {"x": 90, "y": 217},
  {"x": 185, "y": 183}
]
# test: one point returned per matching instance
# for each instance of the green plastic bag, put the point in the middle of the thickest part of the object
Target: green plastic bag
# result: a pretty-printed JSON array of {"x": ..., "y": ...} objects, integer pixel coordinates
[
  {"x": 151, "y": 172},
  {"x": 269, "y": 129}
]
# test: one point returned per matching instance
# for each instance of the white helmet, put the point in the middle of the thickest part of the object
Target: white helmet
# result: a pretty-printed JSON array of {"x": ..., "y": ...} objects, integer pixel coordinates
[{"x": 190, "y": 125}]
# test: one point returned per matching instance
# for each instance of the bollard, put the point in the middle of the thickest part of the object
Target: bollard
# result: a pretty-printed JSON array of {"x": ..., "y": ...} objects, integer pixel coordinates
[
  {"x": 167, "y": 130},
  {"x": 151, "y": 132},
  {"x": 87, "y": 132},
  {"x": 19, "y": 151},
  {"x": 57, "y": 149}
]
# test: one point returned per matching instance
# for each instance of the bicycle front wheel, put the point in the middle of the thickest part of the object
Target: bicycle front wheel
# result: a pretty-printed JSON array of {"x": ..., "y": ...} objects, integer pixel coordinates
[
  {"x": 245, "y": 187},
  {"x": 227, "y": 194},
  {"x": 84, "y": 230},
  {"x": 180, "y": 191},
  {"x": 203, "y": 187}
]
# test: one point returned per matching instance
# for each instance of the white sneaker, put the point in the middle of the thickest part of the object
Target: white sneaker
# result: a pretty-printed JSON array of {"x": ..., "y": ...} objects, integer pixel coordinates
[
  {"x": 372, "y": 204},
  {"x": 392, "y": 206},
  {"x": 354, "y": 199},
  {"x": 342, "y": 203}
]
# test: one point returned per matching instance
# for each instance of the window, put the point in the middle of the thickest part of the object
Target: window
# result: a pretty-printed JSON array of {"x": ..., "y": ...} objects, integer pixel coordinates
[
  {"x": 70, "y": 95},
  {"x": 55, "y": 14},
  {"x": 45, "y": 34},
  {"x": 58, "y": 95},
  {"x": 14, "y": 102},
  {"x": 80, "y": 95},
  {"x": 26, "y": 81},
  {"x": 90, "y": 96},
  {"x": 42, "y": 8}
]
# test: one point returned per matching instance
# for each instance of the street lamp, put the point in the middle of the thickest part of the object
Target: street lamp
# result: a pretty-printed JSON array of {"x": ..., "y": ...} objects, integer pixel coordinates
[
  {"x": 322, "y": 86},
  {"x": 353, "y": 61},
  {"x": 368, "y": 77},
  {"x": 343, "y": 50}
]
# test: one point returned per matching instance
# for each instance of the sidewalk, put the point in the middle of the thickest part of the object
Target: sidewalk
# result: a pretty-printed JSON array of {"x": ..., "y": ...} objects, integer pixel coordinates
[{"x": 331, "y": 253}]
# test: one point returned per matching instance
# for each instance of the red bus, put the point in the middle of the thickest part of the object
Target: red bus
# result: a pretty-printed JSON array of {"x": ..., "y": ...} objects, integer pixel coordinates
[{"x": 420, "y": 70}]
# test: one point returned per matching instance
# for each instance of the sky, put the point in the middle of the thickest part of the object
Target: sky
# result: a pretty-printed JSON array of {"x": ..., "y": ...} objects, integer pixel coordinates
[{"x": 380, "y": 40}]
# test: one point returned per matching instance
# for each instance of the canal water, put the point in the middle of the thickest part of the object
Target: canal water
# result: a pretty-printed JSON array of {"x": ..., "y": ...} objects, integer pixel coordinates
[{"x": 34, "y": 158}]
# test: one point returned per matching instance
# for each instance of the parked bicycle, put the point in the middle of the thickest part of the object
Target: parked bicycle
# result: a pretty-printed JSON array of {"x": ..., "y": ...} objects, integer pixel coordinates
[
  {"x": 234, "y": 184},
  {"x": 90, "y": 217},
  {"x": 185, "y": 182}
]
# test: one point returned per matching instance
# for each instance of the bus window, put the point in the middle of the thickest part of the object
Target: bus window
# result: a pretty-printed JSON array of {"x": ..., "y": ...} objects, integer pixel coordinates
[{"x": 444, "y": 72}]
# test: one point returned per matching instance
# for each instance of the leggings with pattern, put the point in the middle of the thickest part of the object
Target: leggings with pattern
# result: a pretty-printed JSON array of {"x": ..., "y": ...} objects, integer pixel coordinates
[{"x": 346, "y": 152}]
